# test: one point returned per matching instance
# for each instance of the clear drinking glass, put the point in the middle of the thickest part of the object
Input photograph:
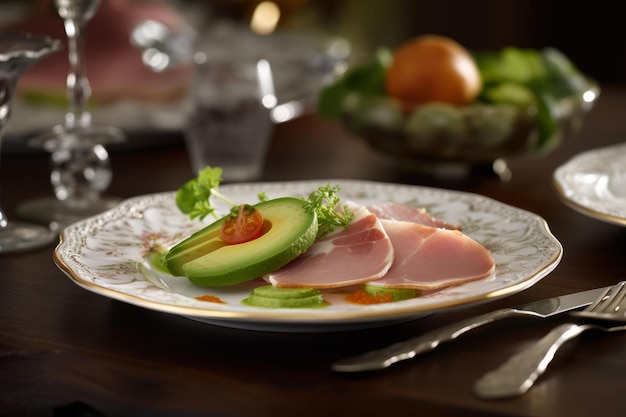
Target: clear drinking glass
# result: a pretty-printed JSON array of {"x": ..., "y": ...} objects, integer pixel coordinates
[
  {"x": 230, "y": 123},
  {"x": 80, "y": 164},
  {"x": 17, "y": 54}
]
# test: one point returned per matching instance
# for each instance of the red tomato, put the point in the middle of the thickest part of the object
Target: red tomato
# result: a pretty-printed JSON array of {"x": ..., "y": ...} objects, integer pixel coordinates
[{"x": 245, "y": 223}]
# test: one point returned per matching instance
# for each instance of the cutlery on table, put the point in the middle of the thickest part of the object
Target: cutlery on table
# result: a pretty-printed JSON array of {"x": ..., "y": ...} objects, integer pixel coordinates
[
  {"x": 517, "y": 375},
  {"x": 387, "y": 356}
]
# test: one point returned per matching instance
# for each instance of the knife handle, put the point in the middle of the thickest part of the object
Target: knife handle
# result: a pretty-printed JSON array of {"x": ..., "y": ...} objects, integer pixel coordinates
[
  {"x": 385, "y": 357},
  {"x": 518, "y": 374}
]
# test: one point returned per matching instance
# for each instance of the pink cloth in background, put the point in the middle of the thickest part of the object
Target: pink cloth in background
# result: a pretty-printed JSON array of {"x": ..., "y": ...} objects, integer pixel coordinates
[{"x": 113, "y": 64}]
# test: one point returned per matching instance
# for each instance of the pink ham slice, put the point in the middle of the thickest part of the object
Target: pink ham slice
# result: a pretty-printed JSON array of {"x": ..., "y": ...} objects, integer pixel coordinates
[
  {"x": 356, "y": 255},
  {"x": 432, "y": 258},
  {"x": 403, "y": 212}
]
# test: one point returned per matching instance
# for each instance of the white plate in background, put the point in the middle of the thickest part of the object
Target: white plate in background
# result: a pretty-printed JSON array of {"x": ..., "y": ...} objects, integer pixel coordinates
[{"x": 594, "y": 183}]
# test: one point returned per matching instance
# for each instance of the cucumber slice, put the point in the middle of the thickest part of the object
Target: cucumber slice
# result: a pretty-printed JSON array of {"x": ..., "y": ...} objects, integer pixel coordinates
[
  {"x": 269, "y": 296},
  {"x": 397, "y": 294}
]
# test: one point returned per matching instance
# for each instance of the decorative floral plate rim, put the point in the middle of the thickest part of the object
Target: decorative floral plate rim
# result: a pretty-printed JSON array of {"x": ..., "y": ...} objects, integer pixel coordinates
[
  {"x": 593, "y": 182},
  {"x": 109, "y": 254}
]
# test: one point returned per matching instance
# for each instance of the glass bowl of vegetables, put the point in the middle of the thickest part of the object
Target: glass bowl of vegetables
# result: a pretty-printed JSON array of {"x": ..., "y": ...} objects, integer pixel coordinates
[{"x": 515, "y": 101}]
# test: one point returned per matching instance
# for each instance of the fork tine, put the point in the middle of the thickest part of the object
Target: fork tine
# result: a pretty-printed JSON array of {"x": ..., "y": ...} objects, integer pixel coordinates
[
  {"x": 616, "y": 302},
  {"x": 622, "y": 304},
  {"x": 601, "y": 299},
  {"x": 611, "y": 305}
]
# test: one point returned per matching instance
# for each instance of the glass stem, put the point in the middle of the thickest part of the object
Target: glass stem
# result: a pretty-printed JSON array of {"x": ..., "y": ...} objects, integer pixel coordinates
[
  {"x": 3, "y": 217},
  {"x": 78, "y": 88},
  {"x": 7, "y": 87}
]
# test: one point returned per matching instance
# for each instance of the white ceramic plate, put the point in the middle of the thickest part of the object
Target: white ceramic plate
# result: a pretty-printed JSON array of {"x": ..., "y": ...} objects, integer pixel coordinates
[
  {"x": 594, "y": 183},
  {"x": 110, "y": 255}
]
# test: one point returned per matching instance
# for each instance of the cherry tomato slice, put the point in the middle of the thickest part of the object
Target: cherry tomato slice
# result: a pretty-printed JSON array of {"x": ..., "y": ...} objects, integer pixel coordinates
[{"x": 245, "y": 223}]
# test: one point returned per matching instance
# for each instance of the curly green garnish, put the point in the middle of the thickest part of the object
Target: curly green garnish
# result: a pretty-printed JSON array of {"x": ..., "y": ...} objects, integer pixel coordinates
[{"x": 330, "y": 213}]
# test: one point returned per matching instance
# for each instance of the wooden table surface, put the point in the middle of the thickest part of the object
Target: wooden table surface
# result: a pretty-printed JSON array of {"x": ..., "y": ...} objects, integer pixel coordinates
[{"x": 68, "y": 351}]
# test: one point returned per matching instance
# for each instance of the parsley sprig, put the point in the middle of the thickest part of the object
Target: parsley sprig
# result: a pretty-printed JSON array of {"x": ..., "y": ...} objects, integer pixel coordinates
[
  {"x": 194, "y": 197},
  {"x": 330, "y": 213}
]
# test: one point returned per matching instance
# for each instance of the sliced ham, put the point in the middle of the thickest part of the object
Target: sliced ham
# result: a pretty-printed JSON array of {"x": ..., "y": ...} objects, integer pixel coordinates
[
  {"x": 432, "y": 258},
  {"x": 404, "y": 212},
  {"x": 361, "y": 253}
]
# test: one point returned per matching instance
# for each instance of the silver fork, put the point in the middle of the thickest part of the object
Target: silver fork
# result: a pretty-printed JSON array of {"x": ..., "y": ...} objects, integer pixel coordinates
[{"x": 517, "y": 375}]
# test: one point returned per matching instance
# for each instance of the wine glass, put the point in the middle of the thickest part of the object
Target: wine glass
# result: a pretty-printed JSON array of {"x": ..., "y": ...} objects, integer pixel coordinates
[
  {"x": 80, "y": 163},
  {"x": 17, "y": 53}
]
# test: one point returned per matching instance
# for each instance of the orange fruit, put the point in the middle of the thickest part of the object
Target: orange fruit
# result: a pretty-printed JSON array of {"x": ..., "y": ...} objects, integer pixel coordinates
[{"x": 432, "y": 68}]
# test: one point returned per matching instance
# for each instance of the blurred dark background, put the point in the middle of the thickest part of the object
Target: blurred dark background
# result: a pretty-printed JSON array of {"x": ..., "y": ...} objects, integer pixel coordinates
[{"x": 592, "y": 34}]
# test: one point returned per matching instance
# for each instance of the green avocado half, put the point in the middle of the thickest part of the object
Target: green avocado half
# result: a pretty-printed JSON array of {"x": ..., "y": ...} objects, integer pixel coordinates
[{"x": 206, "y": 260}]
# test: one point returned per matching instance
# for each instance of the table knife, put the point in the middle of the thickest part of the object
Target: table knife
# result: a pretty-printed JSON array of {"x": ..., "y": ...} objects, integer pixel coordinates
[{"x": 397, "y": 352}]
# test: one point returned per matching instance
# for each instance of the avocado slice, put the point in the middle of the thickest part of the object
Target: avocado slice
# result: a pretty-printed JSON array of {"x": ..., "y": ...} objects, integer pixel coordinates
[{"x": 207, "y": 261}]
